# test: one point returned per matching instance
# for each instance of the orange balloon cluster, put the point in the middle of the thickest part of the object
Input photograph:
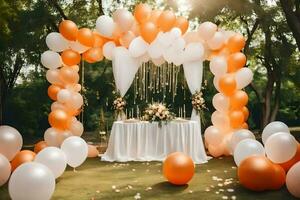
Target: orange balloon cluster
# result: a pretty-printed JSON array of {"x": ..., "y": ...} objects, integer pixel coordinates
[
  {"x": 153, "y": 21},
  {"x": 257, "y": 173},
  {"x": 178, "y": 168}
]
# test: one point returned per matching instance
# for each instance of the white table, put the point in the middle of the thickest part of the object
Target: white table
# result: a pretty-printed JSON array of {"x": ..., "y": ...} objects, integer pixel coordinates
[{"x": 144, "y": 141}]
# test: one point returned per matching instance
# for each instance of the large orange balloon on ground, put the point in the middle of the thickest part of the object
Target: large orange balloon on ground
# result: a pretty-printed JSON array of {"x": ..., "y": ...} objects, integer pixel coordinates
[
  {"x": 238, "y": 100},
  {"x": 70, "y": 57},
  {"x": 148, "y": 31},
  {"x": 93, "y": 55},
  {"x": 142, "y": 12},
  {"x": 52, "y": 91},
  {"x": 68, "y": 29},
  {"x": 287, "y": 165},
  {"x": 227, "y": 84},
  {"x": 39, "y": 146},
  {"x": 59, "y": 119},
  {"x": 236, "y": 61},
  {"x": 178, "y": 168},
  {"x": 22, "y": 157},
  {"x": 278, "y": 179},
  {"x": 236, "y": 43},
  {"x": 256, "y": 173},
  {"x": 182, "y": 23},
  {"x": 236, "y": 118},
  {"x": 166, "y": 20},
  {"x": 68, "y": 75},
  {"x": 86, "y": 37}
]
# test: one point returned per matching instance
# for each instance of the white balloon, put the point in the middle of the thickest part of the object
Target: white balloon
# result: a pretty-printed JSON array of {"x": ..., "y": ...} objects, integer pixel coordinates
[
  {"x": 144, "y": 58},
  {"x": 165, "y": 39},
  {"x": 5, "y": 170},
  {"x": 31, "y": 181},
  {"x": 240, "y": 135},
  {"x": 218, "y": 65},
  {"x": 246, "y": 148},
  {"x": 76, "y": 100},
  {"x": 176, "y": 32},
  {"x": 221, "y": 102},
  {"x": 216, "y": 83},
  {"x": 293, "y": 180},
  {"x": 281, "y": 147},
  {"x": 158, "y": 61},
  {"x": 178, "y": 44},
  {"x": 78, "y": 47},
  {"x": 178, "y": 57},
  {"x": 64, "y": 96},
  {"x": 76, "y": 128},
  {"x": 76, "y": 150},
  {"x": 207, "y": 30},
  {"x": 10, "y": 141},
  {"x": 108, "y": 49},
  {"x": 138, "y": 47},
  {"x": 51, "y": 60},
  {"x": 51, "y": 137},
  {"x": 52, "y": 76},
  {"x": 56, "y": 42},
  {"x": 105, "y": 25},
  {"x": 272, "y": 128},
  {"x": 169, "y": 54},
  {"x": 217, "y": 41},
  {"x": 213, "y": 135},
  {"x": 193, "y": 52},
  {"x": 54, "y": 158},
  {"x": 244, "y": 77},
  {"x": 155, "y": 50},
  {"x": 220, "y": 121},
  {"x": 63, "y": 135}
]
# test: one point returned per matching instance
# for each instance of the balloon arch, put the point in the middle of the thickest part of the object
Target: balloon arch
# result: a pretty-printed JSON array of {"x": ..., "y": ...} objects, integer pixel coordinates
[{"x": 148, "y": 36}]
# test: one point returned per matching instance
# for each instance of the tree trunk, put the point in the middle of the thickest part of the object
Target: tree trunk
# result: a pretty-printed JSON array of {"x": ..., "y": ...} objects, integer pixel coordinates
[{"x": 292, "y": 18}]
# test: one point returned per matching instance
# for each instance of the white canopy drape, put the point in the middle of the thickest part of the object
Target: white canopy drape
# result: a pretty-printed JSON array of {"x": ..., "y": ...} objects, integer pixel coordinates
[
  {"x": 124, "y": 70},
  {"x": 193, "y": 72}
]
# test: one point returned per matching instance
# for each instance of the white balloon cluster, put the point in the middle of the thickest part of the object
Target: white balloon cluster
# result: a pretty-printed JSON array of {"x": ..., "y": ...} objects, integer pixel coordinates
[
  {"x": 276, "y": 137},
  {"x": 36, "y": 180}
]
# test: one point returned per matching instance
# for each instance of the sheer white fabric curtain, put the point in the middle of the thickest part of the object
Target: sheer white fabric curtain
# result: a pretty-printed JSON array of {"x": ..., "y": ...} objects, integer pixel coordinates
[
  {"x": 124, "y": 69},
  {"x": 193, "y": 72}
]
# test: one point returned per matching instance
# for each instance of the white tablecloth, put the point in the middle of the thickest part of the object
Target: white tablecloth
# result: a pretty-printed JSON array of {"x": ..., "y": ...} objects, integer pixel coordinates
[{"x": 144, "y": 141}]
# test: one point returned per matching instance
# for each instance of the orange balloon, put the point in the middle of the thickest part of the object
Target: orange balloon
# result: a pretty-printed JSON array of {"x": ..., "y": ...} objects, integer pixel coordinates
[
  {"x": 182, "y": 23},
  {"x": 236, "y": 43},
  {"x": 39, "y": 146},
  {"x": 86, "y": 37},
  {"x": 93, "y": 55},
  {"x": 166, "y": 20},
  {"x": 99, "y": 41},
  {"x": 52, "y": 91},
  {"x": 148, "y": 31},
  {"x": 246, "y": 112},
  {"x": 59, "y": 119},
  {"x": 75, "y": 68},
  {"x": 238, "y": 100},
  {"x": 236, "y": 118},
  {"x": 70, "y": 57},
  {"x": 178, "y": 168},
  {"x": 278, "y": 179},
  {"x": 227, "y": 84},
  {"x": 68, "y": 29},
  {"x": 68, "y": 75},
  {"x": 92, "y": 151},
  {"x": 22, "y": 157},
  {"x": 126, "y": 38},
  {"x": 142, "y": 12},
  {"x": 256, "y": 172},
  {"x": 287, "y": 165},
  {"x": 154, "y": 16},
  {"x": 236, "y": 61}
]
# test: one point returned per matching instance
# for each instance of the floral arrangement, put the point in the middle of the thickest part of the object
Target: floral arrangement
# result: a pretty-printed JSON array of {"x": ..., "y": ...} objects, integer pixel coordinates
[
  {"x": 198, "y": 102},
  {"x": 119, "y": 103},
  {"x": 157, "y": 112}
]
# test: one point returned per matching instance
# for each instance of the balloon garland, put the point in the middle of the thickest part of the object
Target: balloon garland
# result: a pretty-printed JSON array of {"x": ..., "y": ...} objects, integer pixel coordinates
[{"x": 158, "y": 36}]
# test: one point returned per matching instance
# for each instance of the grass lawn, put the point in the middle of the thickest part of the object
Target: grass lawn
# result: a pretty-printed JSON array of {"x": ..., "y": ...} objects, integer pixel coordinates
[{"x": 102, "y": 180}]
